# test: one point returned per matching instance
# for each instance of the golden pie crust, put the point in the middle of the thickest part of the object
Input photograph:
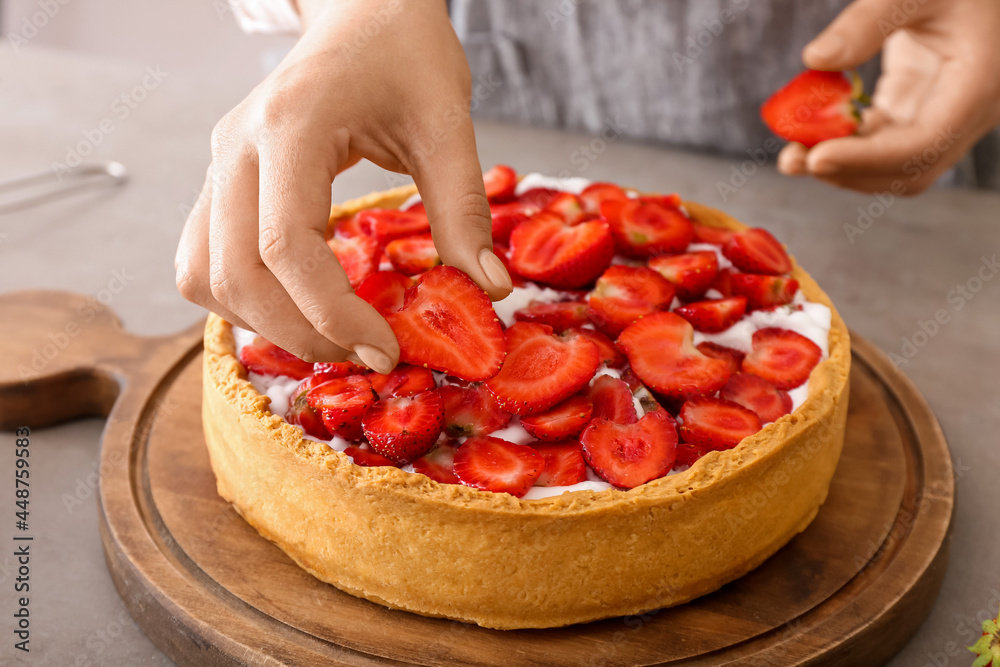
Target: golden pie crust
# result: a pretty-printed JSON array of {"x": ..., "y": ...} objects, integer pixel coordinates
[{"x": 443, "y": 550}]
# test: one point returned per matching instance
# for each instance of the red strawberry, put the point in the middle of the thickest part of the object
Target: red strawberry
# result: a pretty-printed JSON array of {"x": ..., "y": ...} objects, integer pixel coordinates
[
  {"x": 714, "y": 235},
  {"x": 723, "y": 283},
  {"x": 342, "y": 402},
  {"x": 612, "y": 400},
  {"x": 471, "y": 410},
  {"x": 623, "y": 294},
  {"x": 757, "y": 394},
  {"x": 358, "y": 255},
  {"x": 328, "y": 371},
  {"x": 404, "y": 428},
  {"x": 417, "y": 207},
  {"x": 596, "y": 193},
  {"x": 548, "y": 250},
  {"x": 413, "y": 255},
  {"x": 560, "y": 316},
  {"x": 813, "y": 107},
  {"x": 609, "y": 354},
  {"x": 734, "y": 358},
  {"x": 628, "y": 455},
  {"x": 564, "y": 464},
  {"x": 364, "y": 456},
  {"x": 568, "y": 207},
  {"x": 782, "y": 357},
  {"x": 439, "y": 463},
  {"x": 496, "y": 465},
  {"x": 688, "y": 453},
  {"x": 673, "y": 200},
  {"x": 500, "y": 182},
  {"x": 756, "y": 251},
  {"x": 661, "y": 349},
  {"x": 384, "y": 290},
  {"x": 541, "y": 369},
  {"x": 302, "y": 414},
  {"x": 349, "y": 227},
  {"x": 763, "y": 291},
  {"x": 691, "y": 273},
  {"x": 508, "y": 216},
  {"x": 715, "y": 315},
  {"x": 539, "y": 197},
  {"x": 389, "y": 224},
  {"x": 403, "y": 380},
  {"x": 503, "y": 254},
  {"x": 448, "y": 323},
  {"x": 265, "y": 358},
  {"x": 716, "y": 422},
  {"x": 642, "y": 228},
  {"x": 565, "y": 420}
]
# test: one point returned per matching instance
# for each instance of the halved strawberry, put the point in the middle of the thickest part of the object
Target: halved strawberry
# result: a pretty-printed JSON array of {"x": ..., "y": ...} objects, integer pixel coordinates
[
  {"x": 265, "y": 358},
  {"x": 327, "y": 371},
  {"x": 560, "y": 316},
  {"x": 763, "y": 291},
  {"x": 612, "y": 400},
  {"x": 500, "y": 182},
  {"x": 565, "y": 420},
  {"x": 508, "y": 216},
  {"x": 304, "y": 415},
  {"x": 358, "y": 255},
  {"x": 471, "y": 410},
  {"x": 348, "y": 227},
  {"x": 756, "y": 251},
  {"x": 733, "y": 358},
  {"x": 642, "y": 228},
  {"x": 389, "y": 224},
  {"x": 688, "y": 453},
  {"x": 539, "y": 197},
  {"x": 716, "y": 422},
  {"x": 609, "y": 354},
  {"x": 723, "y": 283},
  {"x": 496, "y": 465},
  {"x": 757, "y": 394},
  {"x": 503, "y": 254},
  {"x": 363, "y": 455},
  {"x": 403, "y": 428},
  {"x": 542, "y": 369},
  {"x": 692, "y": 273},
  {"x": 341, "y": 403},
  {"x": 714, "y": 315},
  {"x": 628, "y": 455},
  {"x": 813, "y": 107},
  {"x": 623, "y": 294},
  {"x": 782, "y": 357},
  {"x": 403, "y": 380},
  {"x": 672, "y": 200},
  {"x": 548, "y": 250},
  {"x": 568, "y": 207},
  {"x": 661, "y": 349},
  {"x": 439, "y": 463},
  {"x": 715, "y": 235},
  {"x": 384, "y": 290},
  {"x": 413, "y": 255},
  {"x": 596, "y": 193},
  {"x": 448, "y": 323},
  {"x": 564, "y": 464}
]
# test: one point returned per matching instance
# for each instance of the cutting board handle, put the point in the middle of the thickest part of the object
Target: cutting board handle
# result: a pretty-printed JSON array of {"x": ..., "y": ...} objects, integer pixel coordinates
[{"x": 64, "y": 356}]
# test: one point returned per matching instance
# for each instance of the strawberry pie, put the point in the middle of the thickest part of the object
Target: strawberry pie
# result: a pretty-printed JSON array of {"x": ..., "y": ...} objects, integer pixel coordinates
[{"x": 657, "y": 407}]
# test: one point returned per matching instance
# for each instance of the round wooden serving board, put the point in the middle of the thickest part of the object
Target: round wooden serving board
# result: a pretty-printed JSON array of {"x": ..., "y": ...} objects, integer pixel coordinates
[{"x": 208, "y": 590}]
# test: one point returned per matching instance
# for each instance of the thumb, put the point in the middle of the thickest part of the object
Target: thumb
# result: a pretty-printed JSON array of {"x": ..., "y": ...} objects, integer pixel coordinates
[
  {"x": 853, "y": 38},
  {"x": 450, "y": 182}
]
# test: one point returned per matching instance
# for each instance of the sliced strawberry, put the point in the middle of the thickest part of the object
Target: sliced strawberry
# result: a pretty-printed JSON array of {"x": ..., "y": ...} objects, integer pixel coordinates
[
  {"x": 782, "y": 357},
  {"x": 503, "y": 254},
  {"x": 548, "y": 250},
  {"x": 643, "y": 228},
  {"x": 763, "y": 291},
  {"x": 439, "y": 463},
  {"x": 609, "y": 354},
  {"x": 723, "y": 283},
  {"x": 596, "y": 193},
  {"x": 265, "y": 358},
  {"x": 757, "y": 394},
  {"x": 714, "y": 315},
  {"x": 716, "y": 422},
  {"x": 302, "y": 414},
  {"x": 623, "y": 294},
  {"x": 612, "y": 400},
  {"x": 508, "y": 216},
  {"x": 500, "y": 182},
  {"x": 813, "y": 107},
  {"x": 715, "y": 235},
  {"x": 564, "y": 464},
  {"x": 384, "y": 290},
  {"x": 448, "y": 323},
  {"x": 688, "y": 453},
  {"x": 413, "y": 255},
  {"x": 358, "y": 255},
  {"x": 496, "y": 465},
  {"x": 565, "y": 420},
  {"x": 691, "y": 273},
  {"x": 628, "y": 455},
  {"x": 539, "y": 197},
  {"x": 471, "y": 410},
  {"x": 673, "y": 200},
  {"x": 756, "y": 251},
  {"x": 661, "y": 349},
  {"x": 403, "y": 380},
  {"x": 542, "y": 369},
  {"x": 417, "y": 207},
  {"x": 568, "y": 207},
  {"x": 560, "y": 316},
  {"x": 389, "y": 224},
  {"x": 342, "y": 402},
  {"x": 733, "y": 358},
  {"x": 349, "y": 227},
  {"x": 404, "y": 428},
  {"x": 324, "y": 371},
  {"x": 365, "y": 456}
]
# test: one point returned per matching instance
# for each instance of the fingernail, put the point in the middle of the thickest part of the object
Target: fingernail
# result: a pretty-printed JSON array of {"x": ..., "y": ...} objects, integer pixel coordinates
[
  {"x": 494, "y": 269},
  {"x": 374, "y": 358},
  {"x": 827, "y": 47}
]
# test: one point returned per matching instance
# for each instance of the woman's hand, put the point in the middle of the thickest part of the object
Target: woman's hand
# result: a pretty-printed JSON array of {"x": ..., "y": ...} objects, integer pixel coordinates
[
  {"x": 938, "y": 94},
  {"x": 384, "y": 80}
]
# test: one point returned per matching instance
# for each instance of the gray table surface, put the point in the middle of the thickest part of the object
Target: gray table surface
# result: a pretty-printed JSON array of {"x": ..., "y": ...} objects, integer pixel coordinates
[{"x": 894, "y": 276}]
